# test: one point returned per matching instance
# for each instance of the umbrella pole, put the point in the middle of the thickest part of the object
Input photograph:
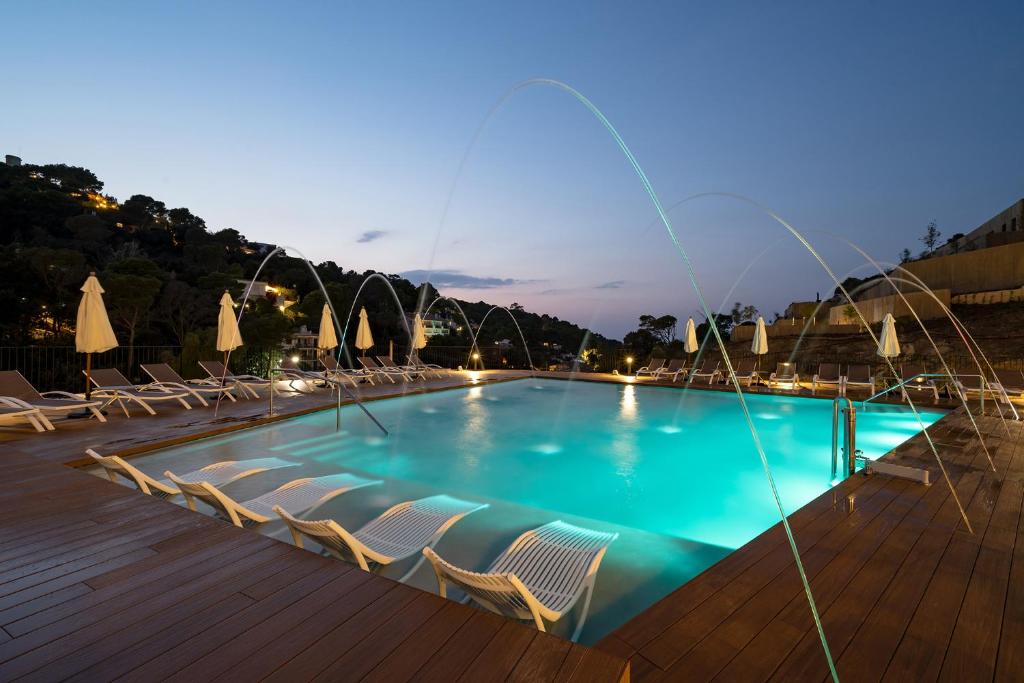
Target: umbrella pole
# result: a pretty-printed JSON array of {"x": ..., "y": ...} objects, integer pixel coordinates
[{"x": 88, "y": 379}]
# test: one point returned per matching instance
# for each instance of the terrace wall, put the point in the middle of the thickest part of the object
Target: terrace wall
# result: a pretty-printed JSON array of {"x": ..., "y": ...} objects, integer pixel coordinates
[{"x": 875, "y": 309}]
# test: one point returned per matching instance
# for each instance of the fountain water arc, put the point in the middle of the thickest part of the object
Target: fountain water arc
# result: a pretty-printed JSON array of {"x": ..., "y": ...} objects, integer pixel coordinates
[
  {"x": 518, "y": 329},
  {"x": 327, "y": 299},
  {"x": 839, "y": 285},
  {"x": 656, "y": 202},
  {"x": 469, "y": 328},
  {"x": 965, "y": 335},
  {"x": 352, "y": 308},
  {"x": 961, "y": 331},
  {"x": 865, "y": 285},
  {"x": 913, "y": 312},
  {"x": 962, "y": 328}
]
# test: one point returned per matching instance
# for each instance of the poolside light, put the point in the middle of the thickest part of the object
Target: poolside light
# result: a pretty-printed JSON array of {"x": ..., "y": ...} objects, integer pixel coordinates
[
  {"x": 629, "y": 365},
  {"x": 295, "y": 359},
  {"x": 476, "y": 356}
]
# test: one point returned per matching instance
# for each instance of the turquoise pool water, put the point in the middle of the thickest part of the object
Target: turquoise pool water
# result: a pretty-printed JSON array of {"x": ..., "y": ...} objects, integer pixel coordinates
[{"x": 674, "y": 472}]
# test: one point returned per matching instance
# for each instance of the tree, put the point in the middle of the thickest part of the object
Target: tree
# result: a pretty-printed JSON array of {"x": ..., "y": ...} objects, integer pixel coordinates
[
  {"x": 183, "y": 308},
  {"x": 931, "y": 237},
  {"x": 905, "y": 256},
  {"x": 61, "y": 271},
  {"x": 741, "y": 314},
  {"x": 662, "y": 329},
  {"x": 131, "y": 287}
]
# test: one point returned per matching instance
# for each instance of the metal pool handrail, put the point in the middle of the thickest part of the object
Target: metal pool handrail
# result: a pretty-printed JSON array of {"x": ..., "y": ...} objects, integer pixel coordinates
[{"x": 337, "y": 416}]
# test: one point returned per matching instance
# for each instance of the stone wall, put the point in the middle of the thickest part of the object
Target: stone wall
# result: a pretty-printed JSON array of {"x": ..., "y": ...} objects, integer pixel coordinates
[{"x": 874, "y": 310}]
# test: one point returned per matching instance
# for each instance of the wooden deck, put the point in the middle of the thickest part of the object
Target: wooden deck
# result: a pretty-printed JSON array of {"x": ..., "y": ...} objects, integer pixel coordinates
[
  {"x": 98, "y": 582},
  {"x": 905, "y": 592}
]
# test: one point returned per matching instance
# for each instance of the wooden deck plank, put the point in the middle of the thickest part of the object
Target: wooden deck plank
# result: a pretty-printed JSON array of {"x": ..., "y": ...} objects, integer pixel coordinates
[
  {"x": 458, "y": 652},
  {"x": 403, "y": 663},
  {"x": 381, "y": 641},
  {"x": 805, "y": 660},
  {"x": 822, "y": 539},
  {"x": 497, "y": 661}
]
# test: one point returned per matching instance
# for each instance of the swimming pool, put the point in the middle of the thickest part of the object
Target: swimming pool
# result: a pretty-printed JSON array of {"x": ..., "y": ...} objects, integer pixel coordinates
[{"x": 674, "y": 472}]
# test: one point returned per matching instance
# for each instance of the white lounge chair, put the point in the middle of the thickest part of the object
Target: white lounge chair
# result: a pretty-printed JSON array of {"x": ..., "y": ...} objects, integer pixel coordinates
[
  {"x": 402, "y": 531},
  {"x": 828, "y": 375},
  {"x": 338, "y": 373},
  {"x": 708, "y": 369},
  {"x": 652, "y": 367},
  {"x": 246, "y": 384},
  {"x": 116, "y": 388},
  {"x": 539, "y": 578},
  {"x": 289, "y": 371},
  {"x": 218, "y": 474},
  {"x": 745, "y": 372},
  {"x": 786, "y": 375},
  {"x": 164, "y": 375},
  {"x": 18, "y": 392},
  {"x": 913, "y": 379},
  {"x": 969, "y": 385},
  {"x": 300, "y": 495},
  {"x": 859, "y": 376},
  {"x": 377, "y": 370},
  {"x": 388, "y": 363},
  {"x": 13, "y": 414},
  {"x": 674, "y": 368},
  {"x": 432, "y": 368}
]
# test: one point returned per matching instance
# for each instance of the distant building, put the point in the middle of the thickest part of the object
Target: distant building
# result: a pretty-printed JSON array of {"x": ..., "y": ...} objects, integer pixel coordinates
[
  {"x": 12, "y": 160},
  {"x": 1006, "y": 227},
  {"x": 801, "y": 309},
  {"x": 434, "y": 325},
  {"x": 281, "y": 297},
  {"x": 302, "y": 343}
]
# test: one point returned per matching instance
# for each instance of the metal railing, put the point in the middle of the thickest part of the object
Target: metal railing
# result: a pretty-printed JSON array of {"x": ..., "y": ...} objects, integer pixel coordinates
[
  {"x": 60, "y": 368},
  {"x": 844, "y": 406}
]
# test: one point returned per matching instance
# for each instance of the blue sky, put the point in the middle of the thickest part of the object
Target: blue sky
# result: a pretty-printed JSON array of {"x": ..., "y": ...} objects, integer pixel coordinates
[{"x": 338, "y": 128}]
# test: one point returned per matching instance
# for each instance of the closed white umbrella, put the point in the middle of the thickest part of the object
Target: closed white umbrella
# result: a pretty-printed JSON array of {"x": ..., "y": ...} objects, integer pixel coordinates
[
  {"x": 228, "y": 336},
  {"x": 364, "y": 339},
  {"x": 419, "y": 333},
  {"x": 759, "y": 345},
  {"x": 93, "y": 333},
  {"x": 690, "y": 338},
  {"x": 326, "y": 338},
  {"x": 888, "y": 344}
]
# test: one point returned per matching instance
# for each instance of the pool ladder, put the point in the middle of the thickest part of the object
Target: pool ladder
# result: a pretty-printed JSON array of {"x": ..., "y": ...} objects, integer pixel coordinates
[{"x": 844, "y": 406}]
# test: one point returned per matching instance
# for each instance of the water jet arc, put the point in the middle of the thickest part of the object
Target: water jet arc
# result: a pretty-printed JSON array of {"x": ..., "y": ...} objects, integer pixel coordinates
[
  {"x": 352, "y": 308},
  {"x": 649, "y": 189},
  {"x": 518, "y": 329},
  {"x": 327, "y": 300}
]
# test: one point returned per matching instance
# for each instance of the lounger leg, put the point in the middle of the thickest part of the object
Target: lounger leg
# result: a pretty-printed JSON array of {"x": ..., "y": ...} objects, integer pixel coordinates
[
  {"x": 583, "y": 614},
  {"x": 45, "y": 421},
  {"x": 406, "y": 576},
  {"x": 98, "y": 414},
  {"x": 146, "y": 406}
]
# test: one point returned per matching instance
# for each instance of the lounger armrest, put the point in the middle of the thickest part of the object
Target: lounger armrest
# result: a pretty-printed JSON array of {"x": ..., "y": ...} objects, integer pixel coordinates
[
  {"x": 62, "y": 394},
  {"x": 166, "y": 387},
  {"x": 12, "y": 402}
]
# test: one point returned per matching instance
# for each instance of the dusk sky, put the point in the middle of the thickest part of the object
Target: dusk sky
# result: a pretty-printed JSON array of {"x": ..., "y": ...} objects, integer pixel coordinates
[{"x": 338, "y": 128}]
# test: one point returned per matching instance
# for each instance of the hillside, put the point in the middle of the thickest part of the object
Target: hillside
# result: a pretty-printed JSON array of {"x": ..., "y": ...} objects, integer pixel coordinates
[{"x": 164, "y": 270}]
